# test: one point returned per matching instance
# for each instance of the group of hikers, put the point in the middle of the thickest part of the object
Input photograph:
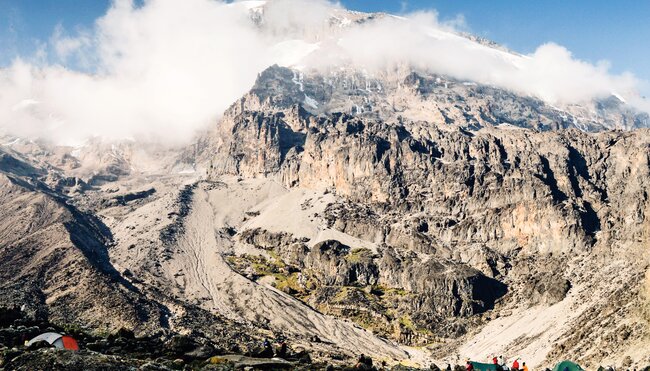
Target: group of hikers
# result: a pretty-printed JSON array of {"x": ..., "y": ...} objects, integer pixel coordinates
[
  {"x": 268, "y": 351},
  {"x": 366, "y": 363},
  {"x": 500, "y": 365}
]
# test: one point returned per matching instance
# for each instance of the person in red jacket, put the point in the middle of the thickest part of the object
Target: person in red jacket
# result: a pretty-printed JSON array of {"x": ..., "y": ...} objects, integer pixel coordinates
[
  {"x": 470, "y": 366},
  {"x": 495, "y": 360},
  {"x": 515, "y": 365}
]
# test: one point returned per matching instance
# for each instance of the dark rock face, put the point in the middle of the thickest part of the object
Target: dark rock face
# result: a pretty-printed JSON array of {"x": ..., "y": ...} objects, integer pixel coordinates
[
  {"x": 467, "y": 212},
  {"x": 383, "y": 287},
  {"x": 446, "y": 289},
  {"x": 413, "y": 96},
  {"x": 447, "y": 204},
  {"x": 73, "y": 280},
  {"x": 335, "y": 264},
  {"x": 9, "y": 316},
  {"x": 129, "y": 197},
  {"x": 541, "y": 191}
]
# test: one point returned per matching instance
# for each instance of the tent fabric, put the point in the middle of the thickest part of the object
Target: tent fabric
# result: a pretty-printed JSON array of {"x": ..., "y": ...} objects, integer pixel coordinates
[
  {"x": 567, "y": 366},
  {"x": 57, "y": 340},
  {"x": 59, "y": 343},
  {"x": 484, "y": 366},
  {"x": 50, "y": 337},
  {"x": 69, "y": 343}
]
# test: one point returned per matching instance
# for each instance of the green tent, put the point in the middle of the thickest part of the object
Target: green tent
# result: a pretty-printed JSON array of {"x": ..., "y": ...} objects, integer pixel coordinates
[
  {"x": 567, "y": 366},
  {"x": 484, "y": 366}
]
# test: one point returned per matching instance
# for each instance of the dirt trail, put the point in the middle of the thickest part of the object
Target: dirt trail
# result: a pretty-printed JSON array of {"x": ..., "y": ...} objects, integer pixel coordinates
[{"x": 205, "y": 271}]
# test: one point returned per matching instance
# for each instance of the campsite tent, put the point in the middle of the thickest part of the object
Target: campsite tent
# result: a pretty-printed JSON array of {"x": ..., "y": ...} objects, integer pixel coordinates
[
  {"x": 484, "y": 366},
  {"x": 567, "y": 366},
  {"x": 57, "y": 340}
]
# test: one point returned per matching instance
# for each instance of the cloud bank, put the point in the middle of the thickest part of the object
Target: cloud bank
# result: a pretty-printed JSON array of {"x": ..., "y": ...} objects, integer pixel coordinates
[
  {"x": 165, "y": 69},
  {"x": 550, "y": 73},
  {"x": 158, "y": 72}
]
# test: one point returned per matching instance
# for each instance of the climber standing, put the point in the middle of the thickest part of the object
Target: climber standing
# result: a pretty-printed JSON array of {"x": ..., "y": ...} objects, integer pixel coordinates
[
  {"x": 364, "y": 363},
  {"x": 515, "y": 365},
  {"x": 525, "y": 368},
  {"x": 282, "y": 350},
  {"x": 267, "y": 350},
  {"x": 470, "y": 366}
]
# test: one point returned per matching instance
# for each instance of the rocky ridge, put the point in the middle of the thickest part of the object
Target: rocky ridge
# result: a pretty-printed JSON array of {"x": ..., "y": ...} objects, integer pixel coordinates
[{"x": 493, "y": 198}]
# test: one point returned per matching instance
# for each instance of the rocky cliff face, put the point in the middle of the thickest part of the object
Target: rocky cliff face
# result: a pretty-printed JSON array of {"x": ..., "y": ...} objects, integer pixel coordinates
[
  {"x": 57, "y": 263},
  {"x": 54, "y": 259},
  {"x": 404, "y": 94},
  {"x": 479, "y": 186},
  {"x": 479, "y": 202},
  {"x": 349, "y": 214}
]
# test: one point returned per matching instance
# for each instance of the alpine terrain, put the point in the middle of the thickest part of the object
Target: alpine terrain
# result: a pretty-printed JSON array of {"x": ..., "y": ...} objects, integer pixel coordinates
[{"x": 401, "y": 213}]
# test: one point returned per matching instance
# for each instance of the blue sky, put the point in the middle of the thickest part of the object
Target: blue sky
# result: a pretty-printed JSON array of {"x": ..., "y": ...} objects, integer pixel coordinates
[{"x": 593, "y": 30}]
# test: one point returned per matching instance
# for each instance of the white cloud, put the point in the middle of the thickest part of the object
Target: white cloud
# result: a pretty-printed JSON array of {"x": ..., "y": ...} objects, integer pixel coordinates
[
  {"x": 65, "y": 46},
  {"x": 297, "y": 18},
  {"x": 168, "y": 68},
  {"x": 550, "y": 73},
  {"x": 162, "y": 71}
]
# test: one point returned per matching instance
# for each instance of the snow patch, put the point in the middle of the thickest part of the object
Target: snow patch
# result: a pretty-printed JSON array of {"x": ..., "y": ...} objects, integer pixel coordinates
[
  {"x": 619, "y": 97},
  {"x": 311, "y": 102},
  {"x": 12, "y": 142},
  {"x": 298, "y": 80}
]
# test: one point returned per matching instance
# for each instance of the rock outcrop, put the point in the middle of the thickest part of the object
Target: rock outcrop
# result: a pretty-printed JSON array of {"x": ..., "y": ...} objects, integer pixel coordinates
[
  {"x": 462, "y": 209},
  {"x": 349, "y": 214}
]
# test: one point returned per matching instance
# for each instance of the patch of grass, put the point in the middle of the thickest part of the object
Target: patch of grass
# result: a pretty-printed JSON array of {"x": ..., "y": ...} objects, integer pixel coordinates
[
  {"x": 345, "y": 292},
  {"x": 364, "y": 321},
  {"x": 357, "y": 255},
  {"x": 262, "y": 268},
  {"x": 396, "y": 292},
  {"x": 388, "y": 292},
  {"x": 286, "y": 282},
  {"x": 342, "y": 294},
  {"x": 407, "y": 322},
  {"x": 260, "y": 265}
]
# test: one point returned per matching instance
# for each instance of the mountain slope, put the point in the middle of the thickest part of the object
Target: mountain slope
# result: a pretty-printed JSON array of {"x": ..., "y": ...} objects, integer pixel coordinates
[
  {"x": 531, "y": 209},
  {"x": 55, "y": 261},
  {"x": 399, "y": 213}
]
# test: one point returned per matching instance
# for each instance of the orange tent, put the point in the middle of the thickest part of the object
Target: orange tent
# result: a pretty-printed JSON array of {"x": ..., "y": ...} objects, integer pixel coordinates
[{"x": 57, "y": 340}]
